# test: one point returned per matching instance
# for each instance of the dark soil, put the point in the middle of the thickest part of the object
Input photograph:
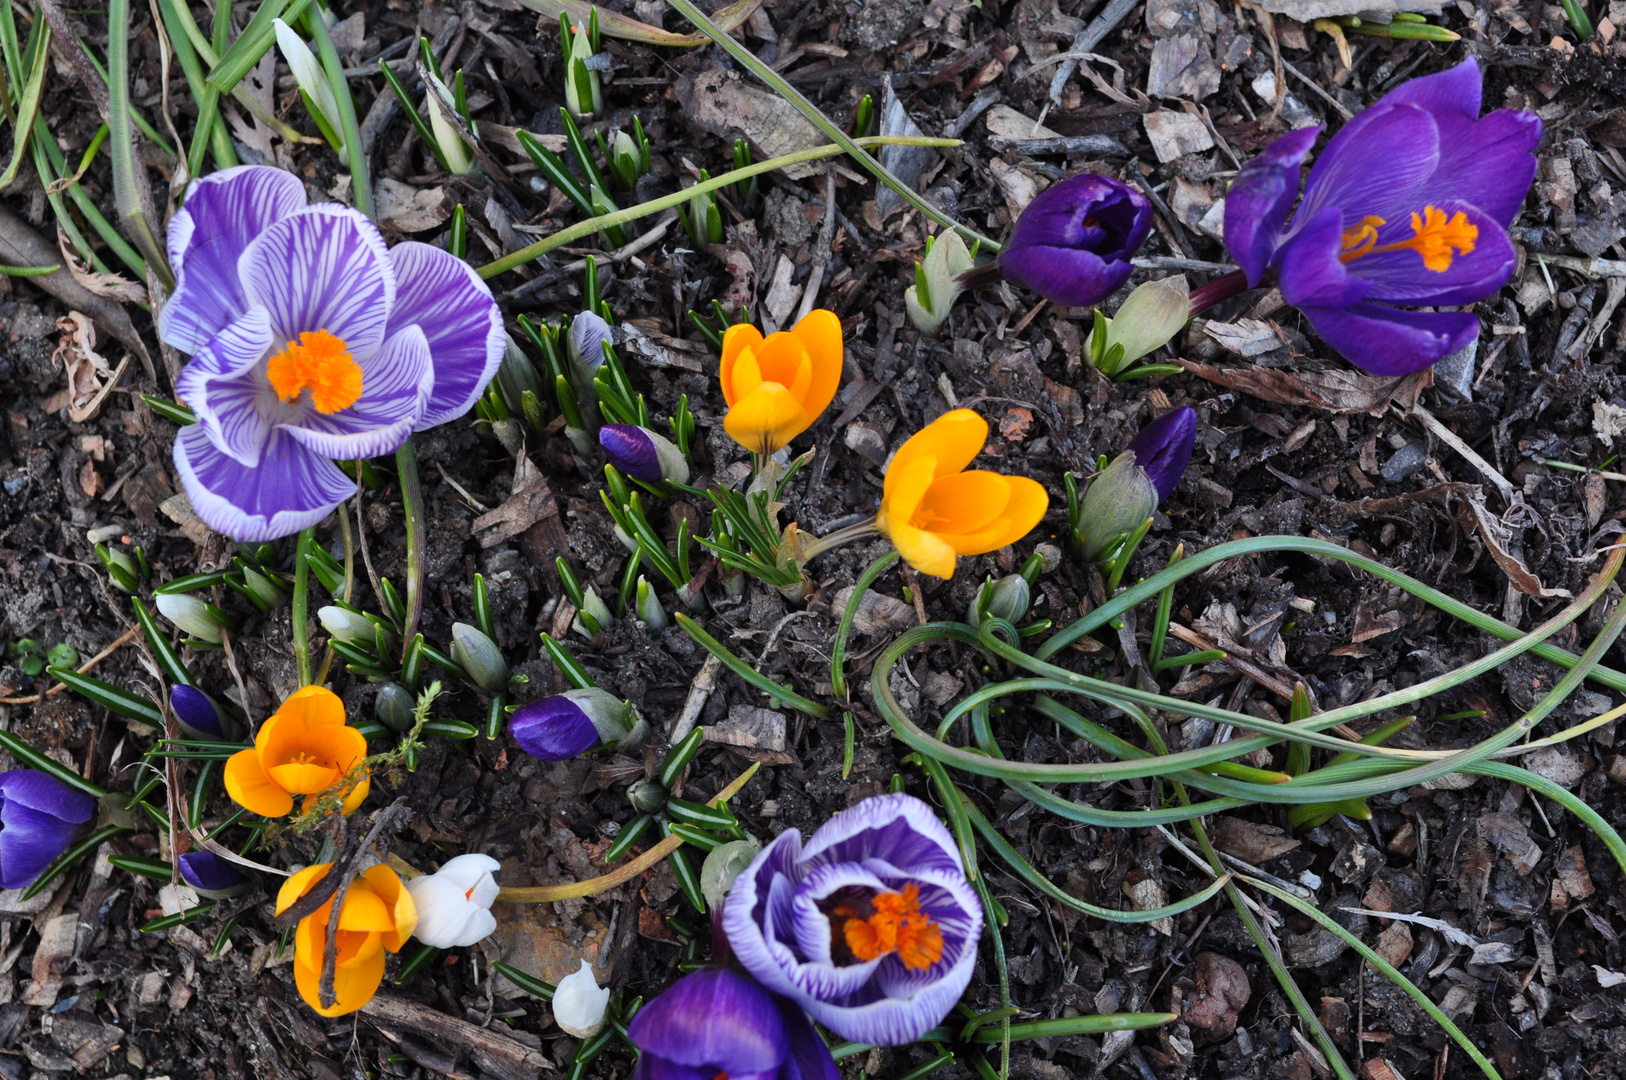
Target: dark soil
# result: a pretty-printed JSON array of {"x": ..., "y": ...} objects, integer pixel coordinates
[{"x": 1287, "y": 451}]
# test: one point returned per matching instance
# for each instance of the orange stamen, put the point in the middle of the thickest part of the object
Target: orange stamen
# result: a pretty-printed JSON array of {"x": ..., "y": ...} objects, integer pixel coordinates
[
  {"x": 1436, "y": 238},
  {"x": 897, "y": 925},
  {"x": 320, "y": 363}
]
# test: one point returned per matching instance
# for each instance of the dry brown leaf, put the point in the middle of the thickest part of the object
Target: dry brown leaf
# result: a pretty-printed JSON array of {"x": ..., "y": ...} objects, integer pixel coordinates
[
  {"x": 617, "y": 25},
  {"x": 111, "y": 286},
  {"x": 530, "y": 500},
  {"x": 1222, "y": 991},
  {"x": 1496, "y": 538},
  {"x": 1250, "y": 842},
  {"x": 408, "y": 209},
  {"x": 727, "y": 106},
  {"x": 90, "y": 377},
  {"x": 1337, "y": 391}
]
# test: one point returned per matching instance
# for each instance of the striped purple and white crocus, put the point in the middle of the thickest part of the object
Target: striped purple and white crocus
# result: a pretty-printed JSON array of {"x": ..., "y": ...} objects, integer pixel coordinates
[
  {"x": 310, "y": 340},
  {"x": 870, "y": 926}
]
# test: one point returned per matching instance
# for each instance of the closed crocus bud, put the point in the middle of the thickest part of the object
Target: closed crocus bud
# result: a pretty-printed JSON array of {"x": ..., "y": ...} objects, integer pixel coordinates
[
  {"x": 40, "y": 817},
  {"x": 480, "y": 657},
  {"x": 1072, "y": 244},
  {"x": 1008, "y": 599},
  {"x": 929, "y": 300},
  {"x": 1163, "y": 448},
  {"x": 347, "y": 626},
  {"x": 579, "y": 1003},
  {"x": 1116, "y": 504},
  {"x": 643, "y": 454},
  {"x": 200, "y": 715},
  {"x": 646, "y": 796},
  {"x": 212, "y": 876},
  {"x": 594, "y": 615},
  {"x": 121, "y": 569},
  {"x": 568, "y": 725},
  {"x": 723, "y": 864},
  {"x": 394, "y": 707},
  {"x": 268, "y": 592},
  {"x": 454, "y": 903},
  {"x": 588, "y": 335},
  {"x": 192, "y": 615},
  {"x": 647, "y": 606},
  {"x": 1148, "y": 319}
]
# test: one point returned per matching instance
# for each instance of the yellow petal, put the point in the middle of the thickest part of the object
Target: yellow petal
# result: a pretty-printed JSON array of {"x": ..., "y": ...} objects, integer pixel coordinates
[
  {"x": 739, "y": 338},
  {"x": 905, "y": 489},
  {"x": 953, "y": 439},
  {"x": 766, "y": 419},
  {"x": 354, "y": 984},
  {"x": 403, "y": 910},
  {"x": 357, "y": 796},
  {"x": 340, "y": 746},
  {"x": 303, "y": 778},
  {"x": 250, "y": 787},
  {"x": 300, "y": 883},
  {"x": 923, "y": 551},
  {"x": 820, "y": 333},
  {"x": 1023, "y": 510},
  {"x": 364, "y": 909},
  {"x": 962, "y": 502},
  {"x": 744, "y": 376},
  {"x": 317, "y": 705}
]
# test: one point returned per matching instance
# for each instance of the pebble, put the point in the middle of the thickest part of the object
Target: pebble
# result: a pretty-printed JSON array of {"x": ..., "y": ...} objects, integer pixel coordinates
[{"x": 1407, "y": 460}]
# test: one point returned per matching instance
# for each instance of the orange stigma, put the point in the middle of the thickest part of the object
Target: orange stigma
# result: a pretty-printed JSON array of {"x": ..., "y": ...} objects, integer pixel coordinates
[
  {"x": 896, "y": 924},
  {"x": 1436, "y": 238},
  {"x": 320, "y": 363}
]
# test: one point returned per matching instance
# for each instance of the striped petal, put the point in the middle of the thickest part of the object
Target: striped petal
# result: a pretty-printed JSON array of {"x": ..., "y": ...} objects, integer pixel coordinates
[
  {"x": 225, "y": 386},
  {"x": 443, "y": 296},
  {"x": 395, "y": 389},
  {"x": 292, "y": 488}
]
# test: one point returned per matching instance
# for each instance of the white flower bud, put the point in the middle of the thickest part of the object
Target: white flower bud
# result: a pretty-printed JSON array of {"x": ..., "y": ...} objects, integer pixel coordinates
[
  {"x": 190, "y": 614},
  {"x": 579, "y": 1003},
  {"x": 454, "y": 903}
]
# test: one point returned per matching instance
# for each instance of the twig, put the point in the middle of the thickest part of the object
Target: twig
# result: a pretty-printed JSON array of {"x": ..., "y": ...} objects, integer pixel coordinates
[
  {"x": 84, "y": 668},
  {"x": 699, "y": 692},
  {"x": 1087, "y": 39},
  {"x": 330, "y": 947},
  {"x": 1313, "y": 85},
  {"x": 1451, "y": 439}
]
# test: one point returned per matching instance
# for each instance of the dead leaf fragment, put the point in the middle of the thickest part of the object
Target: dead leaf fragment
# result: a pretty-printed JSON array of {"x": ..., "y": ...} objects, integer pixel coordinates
[
  {"x": 51, "y": 959},
  {"x": 111, "y": 286},
  {"x": 1497, "y": 538},
  {"x": 1336, "y": 390},
  {"x": 727, "y": 106},
  {"x": 1250, "y": 842},
  {"x": 90, "y": 376},
  {"x": 408, "y": 209},
  {"x": 530, "y": 500},
  {"x": 1222, "y": 992}
]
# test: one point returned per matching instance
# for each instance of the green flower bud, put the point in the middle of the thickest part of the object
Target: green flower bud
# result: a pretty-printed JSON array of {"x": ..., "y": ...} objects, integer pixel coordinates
[
  {"x": 268, "y": 592},
  {"x": 480, "y": 657},
  {"x": 350, "y": 627},
  {"x": 1148, "y": 319},
  {"x": 395, "y": 707},
  {"x": 648, "y": 607},
  {"x": 936, "y": 287},
  {"x": 121, "y": 568},
  {"x": 203, "y": 621},
  {"x": 646, "y": 796},
  {"x": 1116, "y": 504},
  {"x": 723, "y": 865},
  {"x": 1008, "y": 599},
  {"x": 594, "y": 614}
]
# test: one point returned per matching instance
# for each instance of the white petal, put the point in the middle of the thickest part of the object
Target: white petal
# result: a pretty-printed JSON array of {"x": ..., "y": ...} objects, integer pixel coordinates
[{"x": 579, "y": 1003}]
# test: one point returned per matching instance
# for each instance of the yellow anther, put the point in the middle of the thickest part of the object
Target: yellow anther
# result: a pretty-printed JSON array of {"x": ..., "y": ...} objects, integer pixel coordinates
[{"x": 320, "y": 363}]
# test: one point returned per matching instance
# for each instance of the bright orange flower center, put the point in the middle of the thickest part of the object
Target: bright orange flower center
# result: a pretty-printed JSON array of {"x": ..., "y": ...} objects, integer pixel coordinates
[
  {"x": 320, "y": 363},
  {"x": 894, "y": 923},
  {"x": 1436, "y": 238}
]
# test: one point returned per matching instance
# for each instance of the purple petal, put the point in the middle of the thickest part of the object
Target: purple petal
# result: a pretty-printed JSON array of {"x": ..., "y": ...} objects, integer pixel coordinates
[
  {"x": 193, "y": 708},
  {"x": 650, "y": 1067},
  {"x": 29, "y": 841},
  {"x": 395, "y": 386},
  {"x": 1259, "y": 198},
  {"x": 758, "y": 904},
  {"x": 46, "y": 794},
  {"x": 208, "y": 872},
  {"x": 899, "y": 829},
  {"x": 1454, "y": 90},
  {"x": 1163, "y": 448},
  {"x": 1488, "y": 164},
  {"x": 223, "y": 386},
  {"x": 1375, "y": 170},
  {"x": 808, "y": 1058},
  {"x": 629, "y": 449},
  {"x": 1390, "y": 341},
  {"x": 447, "y": 300},
  {"x": 223, "y": 214},
  {"x": 1311, "y": 273},
  {"x": 1072, "y": 244},
  {"x": 1399, "y": 277},
  {"x": 290, "y": 489},
  {"x": 324, "y": 268},
  {"x": 714, "y": 1018},
  {"x": 553, "y": 729}
]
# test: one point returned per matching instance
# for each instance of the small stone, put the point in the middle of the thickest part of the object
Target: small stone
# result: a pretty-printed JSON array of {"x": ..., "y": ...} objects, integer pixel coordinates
[{"x": 1406, "y": 461}]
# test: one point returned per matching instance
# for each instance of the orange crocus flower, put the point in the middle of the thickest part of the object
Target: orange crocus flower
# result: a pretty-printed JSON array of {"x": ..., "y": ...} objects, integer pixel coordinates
[
  {"x": 304, "y": 749},
  {"x": 933, "y": 510},
  {"x": 378, "y": 916},
  {"x": 777, "y": 386}
]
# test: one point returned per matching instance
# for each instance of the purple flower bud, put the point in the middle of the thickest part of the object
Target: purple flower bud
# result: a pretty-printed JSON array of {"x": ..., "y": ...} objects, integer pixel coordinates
[
  {"x": 211, "y": 875},
  {"x": 642, "y": 453},
  {"x": 39, "y": 818},
  {"x": 720, "y": 1022},
  {"x": 1073, "y": 243},
  {"x": 1163, "y": 448},
  {"x": 196, "y": 711},
  {"x": 568, "y": 725}
]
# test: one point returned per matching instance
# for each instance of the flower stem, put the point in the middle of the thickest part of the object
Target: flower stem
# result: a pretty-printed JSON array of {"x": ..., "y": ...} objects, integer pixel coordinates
[
  {"x": 406, "y": 464},
  {"x": 841, "y": 536},
  {"x": 1220, "y": 289},
  {"x": 301, "y": 606},
  {"x": 982, "y": 276}
]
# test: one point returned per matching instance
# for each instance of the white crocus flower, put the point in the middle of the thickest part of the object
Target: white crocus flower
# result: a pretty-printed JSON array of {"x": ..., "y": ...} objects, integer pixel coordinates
[
  {"x": 312, "y": 80},
  {"x": 579, "y": 1003},
  {"x": 454, "y": 903}
]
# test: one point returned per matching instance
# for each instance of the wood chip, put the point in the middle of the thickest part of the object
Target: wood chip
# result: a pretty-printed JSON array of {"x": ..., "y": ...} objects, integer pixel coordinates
[
  {"x": 1394, "y": 944},
  {"x": 1175, "y": 134},
  {"x": 497, "y": 1054},
  {"x": 51, "y": 959},
  {"x": 1251, "y": 842}
]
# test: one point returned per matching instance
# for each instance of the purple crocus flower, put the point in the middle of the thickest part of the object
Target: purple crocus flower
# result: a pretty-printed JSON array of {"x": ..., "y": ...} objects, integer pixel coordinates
[
  {"x": 568, "y": 725},
  {"x": 310, "y": 341},
  {"x": 211, "y": 875},
  {"x": 1407, "y": 207},
  {"x": 196, "y": 712},
  {"x": 39, "y": 818},
  {"x": 642, "y": 453},
  {"x": 717, "y": 1022},
  {"x": 1163, "y": 449},
  {"x": 1072, "y": 244},
  {"x": 870, "y": 926}
]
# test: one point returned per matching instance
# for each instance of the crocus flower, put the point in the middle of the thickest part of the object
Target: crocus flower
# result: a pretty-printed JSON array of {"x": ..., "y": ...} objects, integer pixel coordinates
[
  {"x": 1135, "y": 484},
  {"x": 1072, "y": 244},
  {"x": 777, "y": 386},
  {"x": 480, "y": 657},
  {"x": 454, "y": 903},
  {"x": 309, "y": 341},
  {"x": 718, "y": 1022},
  {"x": 870, "y": 926},
  {"x": 211, "y": 875},
  {"x": 198, "y": 713},
  {"x": 378, "y": 916},
  {"x": 1408, "y": 206},
  {"x": 642, "y": 453},
  {"x": 39, "y": 818},
  {"x": 579, "y": 1003},
  {"x": 196, "y": 617},
  {"x": 933, "y": 510},
  {"x": 303, "y": 749},
  {"x": 568, "y": 725}
]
